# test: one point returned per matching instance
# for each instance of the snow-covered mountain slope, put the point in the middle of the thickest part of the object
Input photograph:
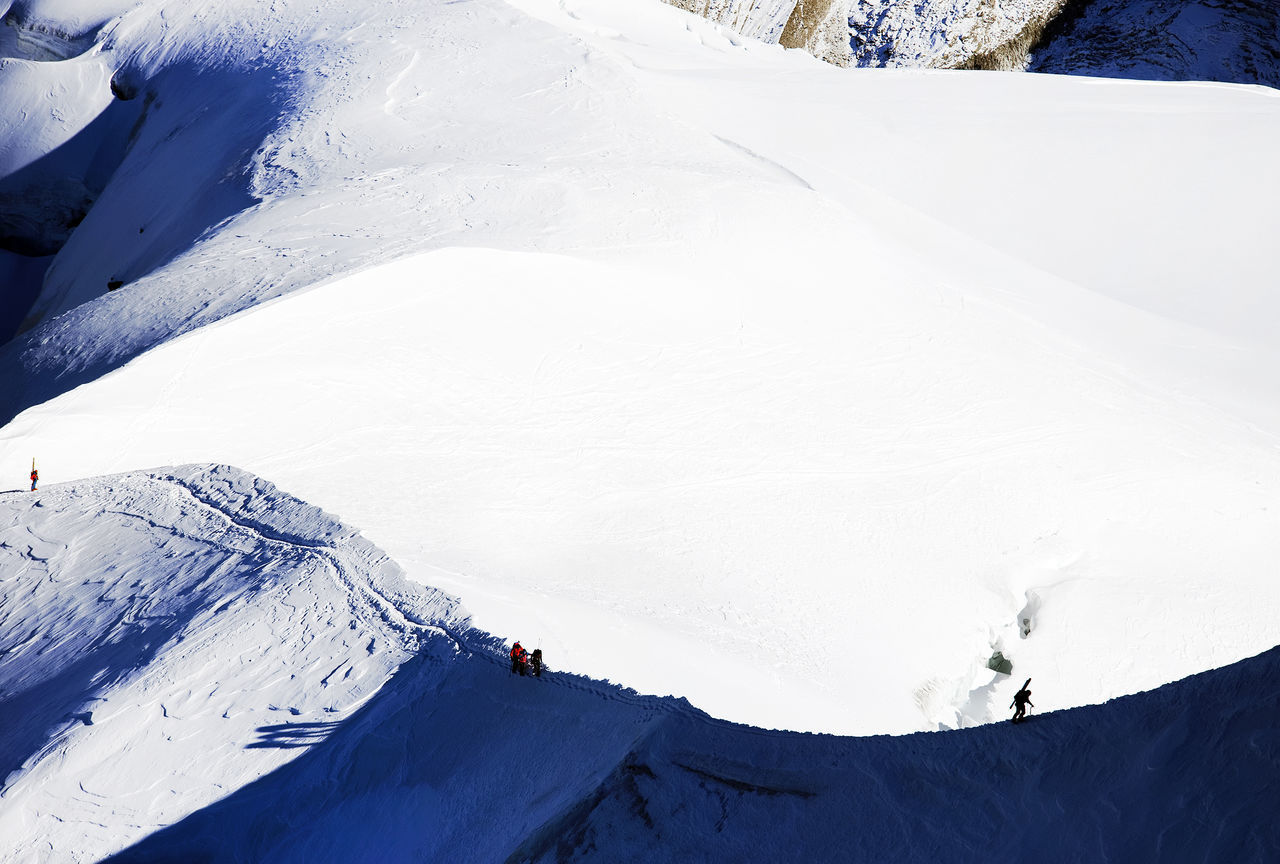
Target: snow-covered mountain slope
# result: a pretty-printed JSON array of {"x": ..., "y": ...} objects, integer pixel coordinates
[
  {"x": 193, "y": 648},
  {"x": 1167, "y": 40},
  {"x": 661, "y": 482},
  {"x": 801, "y": 386},
  {"x": 457, "y": 760},
  {"x": 156, "y": 627}
]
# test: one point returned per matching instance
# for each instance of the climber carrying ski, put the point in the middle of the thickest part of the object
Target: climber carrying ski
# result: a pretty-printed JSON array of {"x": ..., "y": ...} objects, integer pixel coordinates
[
  {"x": 35, "y": 475},
  {"x": 519, "y": 659},
  {"x": 1021, "y": 700},
  {"x": 535, "y": 662}
]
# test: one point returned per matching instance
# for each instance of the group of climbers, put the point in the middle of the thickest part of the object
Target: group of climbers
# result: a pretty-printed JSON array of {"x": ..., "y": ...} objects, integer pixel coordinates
[{"x": 524, "y": 663}]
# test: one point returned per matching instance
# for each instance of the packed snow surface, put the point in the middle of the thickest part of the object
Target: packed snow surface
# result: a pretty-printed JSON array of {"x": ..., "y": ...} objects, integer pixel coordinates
[{"x": 794, "y": 391}]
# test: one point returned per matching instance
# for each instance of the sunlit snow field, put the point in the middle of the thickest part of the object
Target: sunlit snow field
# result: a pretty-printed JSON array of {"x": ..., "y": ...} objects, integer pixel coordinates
[{"x": 717, "y": 372}]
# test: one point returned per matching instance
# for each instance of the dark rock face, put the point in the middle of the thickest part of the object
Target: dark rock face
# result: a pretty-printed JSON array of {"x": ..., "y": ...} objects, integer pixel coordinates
[
  {"x": 37, "y": 219},
  {"x": 1236, "y": 41}
]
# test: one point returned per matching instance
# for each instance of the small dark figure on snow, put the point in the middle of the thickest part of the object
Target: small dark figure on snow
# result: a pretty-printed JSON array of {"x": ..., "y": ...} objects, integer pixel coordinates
[
  {"x": 1021, "y": 700},
  {"x": 519, "y": 659},
  {"x": 535, "y": 662}
]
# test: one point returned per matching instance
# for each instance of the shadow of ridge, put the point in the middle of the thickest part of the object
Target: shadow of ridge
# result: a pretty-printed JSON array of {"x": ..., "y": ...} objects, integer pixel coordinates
[
  {"x": 128, "y": 194},
  {"x": 292, "y": 735},
  {"x": 456, "y": 759},
  {"x": 43, "y": 202},
  {"x": 1187, "y": 772},
  {"x": 444, "y": 726}
]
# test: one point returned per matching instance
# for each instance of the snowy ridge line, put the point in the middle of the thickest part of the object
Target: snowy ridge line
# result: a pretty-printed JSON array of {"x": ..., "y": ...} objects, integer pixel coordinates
[
  {"x": 238, "y": 505},
  {"x": 492, "y": 649},
  {"x": 264, "y": 512},
  {"x": 442, "y": 613},
  {"x": 200, "y": 481}
]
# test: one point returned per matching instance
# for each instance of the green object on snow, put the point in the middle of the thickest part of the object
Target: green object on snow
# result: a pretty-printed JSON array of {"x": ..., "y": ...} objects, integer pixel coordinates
[{"x": 999, "y": 663}]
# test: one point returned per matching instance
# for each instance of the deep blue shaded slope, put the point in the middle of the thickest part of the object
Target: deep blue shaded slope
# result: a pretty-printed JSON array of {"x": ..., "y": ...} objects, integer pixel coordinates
[
  {"x": 457, "y": 760},
  {"x": 1236, "y": 41}
]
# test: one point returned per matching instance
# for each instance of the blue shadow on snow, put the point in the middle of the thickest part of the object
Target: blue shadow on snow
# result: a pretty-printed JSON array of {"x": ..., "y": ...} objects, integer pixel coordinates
[{"x": 456, "y": 759}]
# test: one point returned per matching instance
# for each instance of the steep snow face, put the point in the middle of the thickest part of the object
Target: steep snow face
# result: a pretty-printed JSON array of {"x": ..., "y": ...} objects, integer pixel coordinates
[
  {"x": 157, "y": 629},
  {"x": 1171, "y": 40},
  {"x": 947, "y": 34}
]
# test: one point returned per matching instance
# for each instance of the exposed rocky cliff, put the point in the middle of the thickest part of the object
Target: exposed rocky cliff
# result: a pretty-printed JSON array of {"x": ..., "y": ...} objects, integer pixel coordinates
[
  {"x": 981, "y": 34},
  {"x": 1204, "y": 40},
  {"x": 761, "y": 19}
]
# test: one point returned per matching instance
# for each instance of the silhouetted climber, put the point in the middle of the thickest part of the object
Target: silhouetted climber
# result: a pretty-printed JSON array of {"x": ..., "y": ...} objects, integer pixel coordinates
[
  {"x": 519, "y": 659},
  {"x": 35, "y": 475},
  {"x": 535, "y": 662},
  {"x": 1021, "y": 700}
]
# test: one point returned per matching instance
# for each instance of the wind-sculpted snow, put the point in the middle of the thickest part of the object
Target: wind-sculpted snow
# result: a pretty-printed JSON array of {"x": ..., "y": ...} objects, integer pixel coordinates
[{"x": 150, "y": 623}]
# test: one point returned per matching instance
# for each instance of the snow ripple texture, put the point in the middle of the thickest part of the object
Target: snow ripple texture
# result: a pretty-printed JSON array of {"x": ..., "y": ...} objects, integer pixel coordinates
[{"x": 154, "y": 623}]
